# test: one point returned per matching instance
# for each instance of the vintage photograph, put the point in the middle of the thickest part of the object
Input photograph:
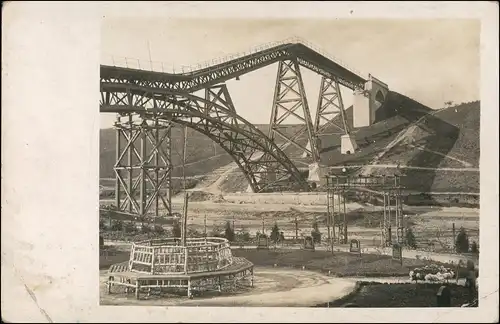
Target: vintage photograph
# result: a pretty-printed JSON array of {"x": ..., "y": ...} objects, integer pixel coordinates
[{"x": 289, "y": 162}]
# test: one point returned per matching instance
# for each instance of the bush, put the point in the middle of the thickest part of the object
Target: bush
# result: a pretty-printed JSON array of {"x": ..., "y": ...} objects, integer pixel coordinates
[
  {"x": 216, "y": 234},
  {"x": 129, "y": 227},
  {"x": 145, "y": 228},
  {"x": 462, "y": 241},
  {"x": 229, "y": 232},
  {"x": 102, "y": 224},
  {"x": 193, "y": 233},
  {"x": 410, "y": 239},
  {"x": 275, "y": 233},
  {"x": 259, "y": 234},
  {"x": 158, "y": 229},
  {"x": 117, "y": 225},
  {"x": 474, "y": 248},
  {"x": 315, "y": 233},
  {"x": 176, "y": 229},
  {"x": 244, "y": 236}
]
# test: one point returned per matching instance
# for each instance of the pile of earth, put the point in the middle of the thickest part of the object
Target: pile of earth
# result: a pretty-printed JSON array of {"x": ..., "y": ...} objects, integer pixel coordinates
[{"x": 205, "y": 196}]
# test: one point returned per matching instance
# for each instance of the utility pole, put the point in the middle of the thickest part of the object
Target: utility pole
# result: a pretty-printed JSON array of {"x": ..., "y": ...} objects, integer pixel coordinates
[
  {"x": 263, "y": 230},
  {"x": 345, "y": 218},
  {"x": 233, "y": 224},
  {"x": 296, "y": 229},
  {"x": 184, "y": 220},
  {"x": 205, "y": 226},
  {"x": 454, "y": 237},
  {"x": 184, "y": 158}
]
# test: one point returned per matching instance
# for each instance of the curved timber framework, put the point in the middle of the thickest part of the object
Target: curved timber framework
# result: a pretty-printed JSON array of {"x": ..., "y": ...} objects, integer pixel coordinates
[{"x": 265, "y": 166}]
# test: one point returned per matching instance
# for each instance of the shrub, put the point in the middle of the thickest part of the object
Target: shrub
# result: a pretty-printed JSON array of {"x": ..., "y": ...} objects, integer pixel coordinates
[
  {"x": 229, "y": 232},
  {"x": 410, "y": 239},
  {"x": 315, "y": 233},
  {"x": 145, "y": 228},
  {"x": 259, "y": 234},
  {"x": 275, "y": 233},
  {"x": 116, "y": 225},
  {"x": 462, "y": 241},
  {"x": 176, "y": 229},
  {"x": 129, "y": 227},
  {"x": 474, "y": 248},
  {"x": 158, "y": 229},
  {"x": 102, "y": 224},
  {"x": 244, "y": 236},
  {"x": 193, "y": 233}
]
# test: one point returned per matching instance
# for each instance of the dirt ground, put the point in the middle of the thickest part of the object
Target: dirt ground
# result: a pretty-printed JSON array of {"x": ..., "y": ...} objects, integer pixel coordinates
[
  {"x": 432, "y": 226},
  {"x": 272, "y": 287}
]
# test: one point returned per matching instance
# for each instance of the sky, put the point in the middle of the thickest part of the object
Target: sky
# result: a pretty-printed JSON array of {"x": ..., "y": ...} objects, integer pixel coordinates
[{"x": 431, "y": 61}]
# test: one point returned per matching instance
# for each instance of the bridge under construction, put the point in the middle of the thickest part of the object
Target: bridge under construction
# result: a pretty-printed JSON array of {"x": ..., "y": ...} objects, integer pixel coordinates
[{"x": 147, "y": 103}]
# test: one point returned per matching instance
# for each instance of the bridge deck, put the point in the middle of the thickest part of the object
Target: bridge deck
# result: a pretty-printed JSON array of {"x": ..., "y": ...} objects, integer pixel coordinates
[{"x": 199, "y": 79}]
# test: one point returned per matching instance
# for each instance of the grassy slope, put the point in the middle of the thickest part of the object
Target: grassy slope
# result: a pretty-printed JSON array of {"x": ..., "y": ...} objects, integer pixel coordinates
[{"x": 453, "y": 132}]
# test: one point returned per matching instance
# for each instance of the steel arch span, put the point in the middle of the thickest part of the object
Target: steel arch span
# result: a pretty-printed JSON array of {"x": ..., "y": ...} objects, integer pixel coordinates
[{"x": 264, "y": 165}]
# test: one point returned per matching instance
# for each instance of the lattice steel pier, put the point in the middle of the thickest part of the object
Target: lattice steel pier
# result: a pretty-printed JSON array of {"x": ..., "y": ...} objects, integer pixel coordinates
[
  {"x": 143, "y": 164},
  {"x": 388, "y": 186}
]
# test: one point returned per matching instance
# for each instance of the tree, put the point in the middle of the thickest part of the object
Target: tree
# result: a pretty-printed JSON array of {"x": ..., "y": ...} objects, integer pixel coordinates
[
  {"x": 462, "y": 241},
  {"x": 410, "y": 239},
  {"x": 315, "y": 233},
  {"x": 176, "y": 229},
  {"x": 102, "y": 225},
  {"x": 474, "y": 247},
  {"x": 275, "y": 233},
  {"x": 229, "y": 232}
]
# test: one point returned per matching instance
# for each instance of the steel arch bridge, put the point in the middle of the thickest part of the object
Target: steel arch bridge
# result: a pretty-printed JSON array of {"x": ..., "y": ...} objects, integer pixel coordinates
[{"x": 147, "y": 103}]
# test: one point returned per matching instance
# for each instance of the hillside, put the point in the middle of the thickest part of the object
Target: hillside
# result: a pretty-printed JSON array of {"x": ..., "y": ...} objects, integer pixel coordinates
[
  {"x": 448, "y": 138},
  {"x": 202, "y": 154}
]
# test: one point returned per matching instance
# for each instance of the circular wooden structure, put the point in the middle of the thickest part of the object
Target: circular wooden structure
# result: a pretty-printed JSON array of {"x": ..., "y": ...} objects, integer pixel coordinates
[{"x": 201, "y": 264}]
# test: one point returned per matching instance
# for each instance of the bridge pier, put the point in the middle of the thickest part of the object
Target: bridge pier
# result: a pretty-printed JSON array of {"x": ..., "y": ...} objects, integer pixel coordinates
[
  {"x": 290, "y": 104},
  {"x": 348, "y": 144},
  {"x": 367, "y": 101},
  {"x": 331, "y": 118},
  {"x": 146, "y": 172}
]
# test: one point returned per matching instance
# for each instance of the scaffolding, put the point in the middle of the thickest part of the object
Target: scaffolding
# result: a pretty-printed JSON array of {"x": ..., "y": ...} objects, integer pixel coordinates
[{"x": 389, "y": 187}]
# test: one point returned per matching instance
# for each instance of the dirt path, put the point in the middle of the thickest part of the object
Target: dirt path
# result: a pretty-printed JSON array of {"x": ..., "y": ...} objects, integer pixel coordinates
[{"x": 272, "y": 288}]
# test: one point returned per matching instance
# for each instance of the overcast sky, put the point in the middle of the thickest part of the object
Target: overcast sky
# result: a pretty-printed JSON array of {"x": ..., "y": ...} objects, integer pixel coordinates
[{"x": 432, "y": 61}]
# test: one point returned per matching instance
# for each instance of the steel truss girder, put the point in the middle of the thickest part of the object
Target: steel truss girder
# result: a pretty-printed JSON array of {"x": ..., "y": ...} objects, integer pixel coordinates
[
  {"x": 289, "y": 82},
  {"x": 255, "y": 154},
  {"x": 330, "y": 108},
  {"x": 203, "y": 78},
  {"x": 147, "y": 168}
]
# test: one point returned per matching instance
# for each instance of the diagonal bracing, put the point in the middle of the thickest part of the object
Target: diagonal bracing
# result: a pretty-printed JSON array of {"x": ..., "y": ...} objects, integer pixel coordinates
[
  {"x": 289, "y": 107},
  {"x": 330, "y": 113},
  {"x": 143, "y": 179}
]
